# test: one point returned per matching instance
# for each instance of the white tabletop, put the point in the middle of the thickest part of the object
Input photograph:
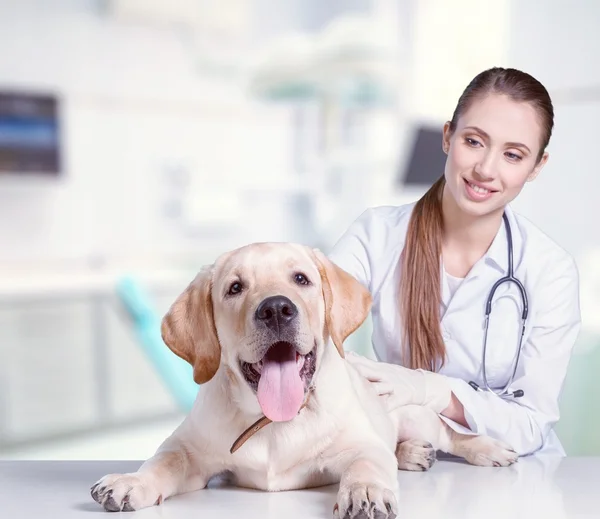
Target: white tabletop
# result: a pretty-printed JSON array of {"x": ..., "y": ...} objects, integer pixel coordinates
[{"x": 553, "y": 488}]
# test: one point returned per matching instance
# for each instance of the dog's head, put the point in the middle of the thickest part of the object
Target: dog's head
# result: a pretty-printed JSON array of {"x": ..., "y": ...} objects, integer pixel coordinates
[{"x": 266, "y": 312}]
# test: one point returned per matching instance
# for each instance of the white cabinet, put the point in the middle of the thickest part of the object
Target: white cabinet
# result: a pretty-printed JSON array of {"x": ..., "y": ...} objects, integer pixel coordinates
[
  {"x": 73, "y": 365},
  {"x": 46, "y": 370}
]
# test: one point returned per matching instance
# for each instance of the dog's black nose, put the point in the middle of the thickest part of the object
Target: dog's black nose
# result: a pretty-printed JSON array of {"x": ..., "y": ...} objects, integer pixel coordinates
[{"x": 276, "y": 312}]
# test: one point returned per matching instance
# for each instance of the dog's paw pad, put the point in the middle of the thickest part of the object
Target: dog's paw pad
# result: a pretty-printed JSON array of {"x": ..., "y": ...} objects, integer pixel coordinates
[
  {"x": 487, "y": 452},
  {"x": 362, "y": 500},
  {"x": 124, "y": 493},
  {"x": 415, "y": 455}
]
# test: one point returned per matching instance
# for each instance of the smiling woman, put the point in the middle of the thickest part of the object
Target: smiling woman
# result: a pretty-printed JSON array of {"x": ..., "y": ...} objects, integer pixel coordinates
[{"x": 431, "y": 266}]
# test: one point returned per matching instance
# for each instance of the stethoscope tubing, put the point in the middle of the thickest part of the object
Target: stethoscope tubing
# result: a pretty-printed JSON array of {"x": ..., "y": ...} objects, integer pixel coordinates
[{"x": 509, "y": 278}]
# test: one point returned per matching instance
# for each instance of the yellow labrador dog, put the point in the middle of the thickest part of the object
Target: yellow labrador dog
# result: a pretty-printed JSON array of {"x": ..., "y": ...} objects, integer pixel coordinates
[{"x": 281, "y": 409}]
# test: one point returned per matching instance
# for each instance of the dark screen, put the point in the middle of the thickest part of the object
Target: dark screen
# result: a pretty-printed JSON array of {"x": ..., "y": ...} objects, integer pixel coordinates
[
  {"x": 29, "y": 134},
  {"x": 426, "y": 159}
]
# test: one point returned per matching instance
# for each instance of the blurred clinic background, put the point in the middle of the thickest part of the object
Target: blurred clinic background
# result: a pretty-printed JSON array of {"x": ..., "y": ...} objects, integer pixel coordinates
[{"x": 141, "y": 138}]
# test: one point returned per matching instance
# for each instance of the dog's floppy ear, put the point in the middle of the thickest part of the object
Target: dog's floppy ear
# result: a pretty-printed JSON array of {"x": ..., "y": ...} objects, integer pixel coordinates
[
  {"x": 188, "y": 328},
  {"x": 347, "y": 301}
]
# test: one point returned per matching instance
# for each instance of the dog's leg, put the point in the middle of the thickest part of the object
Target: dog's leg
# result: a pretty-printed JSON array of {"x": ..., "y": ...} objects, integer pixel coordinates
[
  {"x": 421, "y": 432},
  {"x": 419, "y": 436},
  {"x": 478, "y": 449},
  {"x": 170, "y": 471},
  {"x": 368, "y": 483}
]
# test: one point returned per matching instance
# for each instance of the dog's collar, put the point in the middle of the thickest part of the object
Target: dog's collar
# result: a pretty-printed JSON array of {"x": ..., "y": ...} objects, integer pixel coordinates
[{"x": 260, "y": 423}]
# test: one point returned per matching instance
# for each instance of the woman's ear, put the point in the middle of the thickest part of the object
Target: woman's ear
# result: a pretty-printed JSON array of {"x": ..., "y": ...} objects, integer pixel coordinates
[
  {"x": 446, "y": 138},
  {"x": 347, "y": 301},
  {"x": 188, "y": 328},
  {"x": 538, "y": 167}
]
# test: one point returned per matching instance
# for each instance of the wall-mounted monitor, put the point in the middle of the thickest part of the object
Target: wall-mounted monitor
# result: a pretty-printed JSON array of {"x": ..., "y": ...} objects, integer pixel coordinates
[
  {"x": 30, "y": 140},
  {"x": 426, "y": 159}
]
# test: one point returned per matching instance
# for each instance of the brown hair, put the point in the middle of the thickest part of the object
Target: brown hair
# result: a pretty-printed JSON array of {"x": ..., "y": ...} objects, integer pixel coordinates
[{"x": 420, "y": 285}]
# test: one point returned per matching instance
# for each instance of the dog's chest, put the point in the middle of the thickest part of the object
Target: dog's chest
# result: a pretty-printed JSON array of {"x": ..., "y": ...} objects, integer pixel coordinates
[{"x": 279, "y": 464}]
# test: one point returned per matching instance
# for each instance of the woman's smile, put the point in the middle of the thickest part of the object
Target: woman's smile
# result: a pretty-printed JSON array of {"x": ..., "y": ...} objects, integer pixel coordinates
[{"x": 476, "y": 192}]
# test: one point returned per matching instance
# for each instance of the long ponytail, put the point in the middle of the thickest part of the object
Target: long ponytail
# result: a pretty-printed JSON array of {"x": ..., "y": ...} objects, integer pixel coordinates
[{"x": 420, "y": 286}]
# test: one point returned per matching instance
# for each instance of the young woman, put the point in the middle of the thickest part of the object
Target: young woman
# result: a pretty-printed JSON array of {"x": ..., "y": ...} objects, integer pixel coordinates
[{"x": 431, "y": 267}]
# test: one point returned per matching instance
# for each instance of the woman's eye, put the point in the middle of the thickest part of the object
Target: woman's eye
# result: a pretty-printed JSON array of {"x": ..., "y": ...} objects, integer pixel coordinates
[
  {"x": 513, "y": 156},
  {"x": 235, "y": 288},
  {"x": 472, "y": 142},
  {"x": 301, "y": 279}
]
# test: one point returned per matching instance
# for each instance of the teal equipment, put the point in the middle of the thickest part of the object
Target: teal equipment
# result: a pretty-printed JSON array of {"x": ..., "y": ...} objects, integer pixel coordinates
[{"x": 176, "y": 373}]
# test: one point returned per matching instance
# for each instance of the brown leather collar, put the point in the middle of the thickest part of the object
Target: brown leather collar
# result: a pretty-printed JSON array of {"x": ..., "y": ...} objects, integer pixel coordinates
[{"x": 259, "y": 424}]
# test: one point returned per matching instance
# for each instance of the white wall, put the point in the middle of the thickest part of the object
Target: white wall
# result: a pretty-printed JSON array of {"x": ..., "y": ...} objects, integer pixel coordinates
[
  {"x": 453, "y": 41},
  {"x": 134, "y": 105}
]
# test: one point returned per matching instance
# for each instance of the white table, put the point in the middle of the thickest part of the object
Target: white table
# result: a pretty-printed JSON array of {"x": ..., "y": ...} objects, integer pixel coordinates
[{"x": 541, "y": 487}]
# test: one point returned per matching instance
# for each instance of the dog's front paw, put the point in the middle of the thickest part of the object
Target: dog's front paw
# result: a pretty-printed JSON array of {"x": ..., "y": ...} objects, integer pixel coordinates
[
  {"x": 364, "y": 501},
  {"x": 125, "y": 492},
  {"x": 487, "y": 452},
  {"x": 416, "y": 455}
]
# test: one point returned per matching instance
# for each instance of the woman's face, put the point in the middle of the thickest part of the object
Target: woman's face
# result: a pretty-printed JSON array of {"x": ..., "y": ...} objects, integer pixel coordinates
[{"x": 492, "y": 153}]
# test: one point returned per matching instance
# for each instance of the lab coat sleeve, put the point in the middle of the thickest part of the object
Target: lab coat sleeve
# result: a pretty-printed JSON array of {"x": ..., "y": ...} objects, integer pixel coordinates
[
  {"x": 353, "y": 251},
  {"x": 525, "y": 422}
]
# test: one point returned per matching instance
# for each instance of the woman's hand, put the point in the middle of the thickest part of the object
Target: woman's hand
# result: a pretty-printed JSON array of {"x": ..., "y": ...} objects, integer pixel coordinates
[{"x": 402, "y": 386}]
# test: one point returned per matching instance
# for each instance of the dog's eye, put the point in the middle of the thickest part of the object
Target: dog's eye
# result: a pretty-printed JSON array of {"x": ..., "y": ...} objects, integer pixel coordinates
[
  {"x": 235, "y": 288},
  {"x": 301, "y": 279}
]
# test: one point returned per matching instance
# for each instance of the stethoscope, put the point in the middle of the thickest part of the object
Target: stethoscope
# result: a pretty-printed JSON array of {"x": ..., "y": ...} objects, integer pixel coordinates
[{"x": 510, "y": 278}]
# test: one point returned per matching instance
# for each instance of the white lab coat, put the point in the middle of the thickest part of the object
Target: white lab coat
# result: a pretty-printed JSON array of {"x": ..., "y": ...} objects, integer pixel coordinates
[{"x": 370, "y": 249}]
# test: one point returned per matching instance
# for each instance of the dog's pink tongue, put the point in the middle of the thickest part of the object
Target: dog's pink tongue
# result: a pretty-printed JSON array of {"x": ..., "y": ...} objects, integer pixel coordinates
[{"x": 280, "y": 388}]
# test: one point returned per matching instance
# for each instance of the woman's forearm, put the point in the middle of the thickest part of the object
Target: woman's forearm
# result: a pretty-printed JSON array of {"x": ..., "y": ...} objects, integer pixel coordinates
[{"x": 456, "y": 412}]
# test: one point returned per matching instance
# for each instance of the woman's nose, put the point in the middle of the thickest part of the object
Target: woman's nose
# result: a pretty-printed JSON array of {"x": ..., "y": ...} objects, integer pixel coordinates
[{"x": 486, "y": 167}]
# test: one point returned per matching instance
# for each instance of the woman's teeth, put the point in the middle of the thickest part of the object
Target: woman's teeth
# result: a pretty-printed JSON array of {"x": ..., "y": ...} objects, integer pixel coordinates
[{"x": 478, "y": 189}]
